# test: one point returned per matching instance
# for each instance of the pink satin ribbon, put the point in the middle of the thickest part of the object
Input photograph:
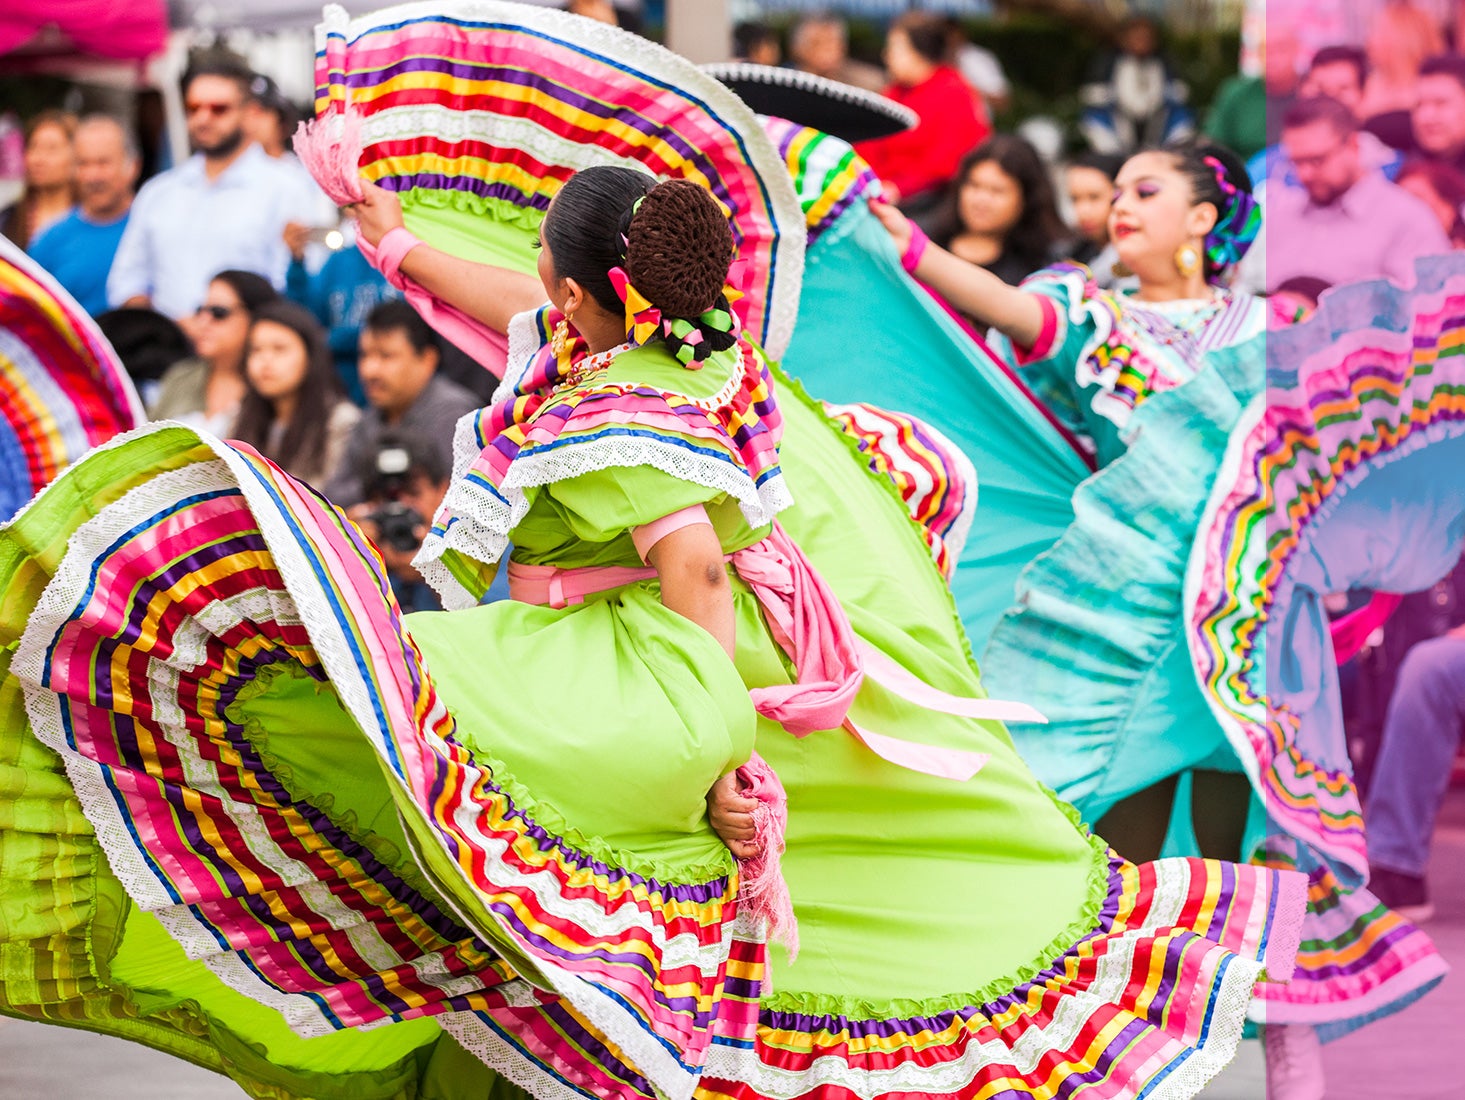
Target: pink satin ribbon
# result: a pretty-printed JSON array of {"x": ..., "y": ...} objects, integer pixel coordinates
[
  {"x": 830, "y": 661},
  {"x": 1351, "y": 632},
  {"x": 484, "y": 345}
]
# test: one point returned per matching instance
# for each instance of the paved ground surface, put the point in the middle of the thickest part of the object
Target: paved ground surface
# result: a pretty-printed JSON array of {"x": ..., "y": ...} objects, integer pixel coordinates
[
  {"x": 51, "y": 1063},
  {"x": 1411, "y": 1056}
]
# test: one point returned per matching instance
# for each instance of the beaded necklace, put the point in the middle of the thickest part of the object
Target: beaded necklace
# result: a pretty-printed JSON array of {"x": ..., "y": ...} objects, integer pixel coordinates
[
  {"x": 588, "y": 367},
  {"x": 581, "y": 370}
]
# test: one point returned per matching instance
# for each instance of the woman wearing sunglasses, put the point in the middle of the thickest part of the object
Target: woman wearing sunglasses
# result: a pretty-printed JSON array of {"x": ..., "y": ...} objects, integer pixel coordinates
[{"x": 205, "y": 391}]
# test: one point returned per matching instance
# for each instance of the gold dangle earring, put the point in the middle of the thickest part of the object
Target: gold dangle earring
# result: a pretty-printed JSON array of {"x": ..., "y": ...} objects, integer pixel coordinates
[
  {"x": 559, "y": 341},
  {"x": 1187, "y": 260}
]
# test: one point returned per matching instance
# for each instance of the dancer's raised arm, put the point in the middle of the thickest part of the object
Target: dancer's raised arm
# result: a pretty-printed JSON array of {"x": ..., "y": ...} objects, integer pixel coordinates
[
  {"x": 973, "y": 290},
  {"x": 490, "y": 294}
]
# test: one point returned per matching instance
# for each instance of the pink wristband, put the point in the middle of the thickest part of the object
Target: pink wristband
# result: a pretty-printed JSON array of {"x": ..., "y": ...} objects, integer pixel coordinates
[
  {"x": 911, "y": 257},
  {"x": 647, "y": 536},
  {"x": 392, "y": 249}
]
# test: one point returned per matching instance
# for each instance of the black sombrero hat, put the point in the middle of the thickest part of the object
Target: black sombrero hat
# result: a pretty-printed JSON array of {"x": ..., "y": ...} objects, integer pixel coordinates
[{"x": 840, "y": 109}]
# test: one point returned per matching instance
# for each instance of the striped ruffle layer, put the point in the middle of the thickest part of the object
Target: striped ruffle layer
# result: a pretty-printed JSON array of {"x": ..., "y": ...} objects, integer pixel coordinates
[
  {"x": 828, "y": 174},
  {"x": 192, "y": 589},
  {"x": 62, "y": 388},
  {"x": 490, "y": 106},
  {"x": 935, "y": 480},
  {"x": 204, "y": 574},
  {"x": 1150, "y": 1002},
  {"x": 1344, "y": 399}
]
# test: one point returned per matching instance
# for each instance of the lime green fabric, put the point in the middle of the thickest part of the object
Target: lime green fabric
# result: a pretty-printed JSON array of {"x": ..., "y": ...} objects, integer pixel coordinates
[
  {"x": 877, "y": 854},
  {"x": 486, "y": 230},
  {"x": 75, "y": 951},
  {"x": 608, "y": 722},
  {"x": 618, "y": 714}
]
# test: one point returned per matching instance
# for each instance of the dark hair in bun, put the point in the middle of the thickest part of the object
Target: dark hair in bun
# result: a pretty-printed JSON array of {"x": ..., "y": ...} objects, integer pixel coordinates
[
  {"x": 679, "y": 249},
  {"x": 671, "y": 238}
]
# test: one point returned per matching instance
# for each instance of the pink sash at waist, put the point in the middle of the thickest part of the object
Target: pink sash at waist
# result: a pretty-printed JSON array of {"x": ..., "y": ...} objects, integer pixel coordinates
[{"x": 830, "y": 660}]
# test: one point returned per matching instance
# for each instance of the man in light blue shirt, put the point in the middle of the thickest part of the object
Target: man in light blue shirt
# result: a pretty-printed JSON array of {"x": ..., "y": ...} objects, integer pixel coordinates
[
  {"x": 226, "y": 207},
  {"x": 78, "y": 249}
]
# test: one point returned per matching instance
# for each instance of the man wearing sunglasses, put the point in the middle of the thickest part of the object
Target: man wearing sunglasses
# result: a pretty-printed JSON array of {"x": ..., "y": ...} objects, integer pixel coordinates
[{"x": 225, "y": 207}]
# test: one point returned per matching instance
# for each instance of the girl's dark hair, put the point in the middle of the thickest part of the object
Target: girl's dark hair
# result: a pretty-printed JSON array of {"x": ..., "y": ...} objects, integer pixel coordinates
[
  {"x": 672, "y": 239},
  {"x": 303, "y": 445},
  {"x": 1039, "y": 227},
  {"x": 1106, "y": 163},
  {"x": 929, "y": 35},
  {"x": 252, "y": 290},
  {"x": 1189, "y": 158}
]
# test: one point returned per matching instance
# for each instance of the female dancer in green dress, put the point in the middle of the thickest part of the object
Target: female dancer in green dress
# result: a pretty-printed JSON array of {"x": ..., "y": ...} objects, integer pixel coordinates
[{"x": 274, "y": 813}]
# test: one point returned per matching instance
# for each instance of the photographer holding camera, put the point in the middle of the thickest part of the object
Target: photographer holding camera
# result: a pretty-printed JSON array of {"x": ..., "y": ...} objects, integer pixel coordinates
[{"x": 406, "y": 486}]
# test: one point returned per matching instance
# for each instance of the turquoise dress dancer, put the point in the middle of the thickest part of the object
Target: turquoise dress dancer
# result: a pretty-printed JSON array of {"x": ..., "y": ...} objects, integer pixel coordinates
[{"x": 1098, "y": 436}]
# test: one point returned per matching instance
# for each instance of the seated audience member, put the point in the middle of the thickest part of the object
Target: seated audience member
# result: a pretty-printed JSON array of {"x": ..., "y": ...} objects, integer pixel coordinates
[
  {"x": 294, "y": 411},
  {"x": 78, "y": 249},
  {"x": 269, "y": 121},
  {"x": 1435, "y": 128},
  {"x": 405, "y": 393},
  {"x": 1421, "y": 738},
  {"x": 1237, "y": 117},
  {"x": 341, "y": 295},
  {"x": 224, "y": 208},
  {"x": 1441, "y": 187},
  {"x": 1296, "y": 300},
  {"x": 1345, "y": 222},
  {"x": 819, "y": 44},
  {"x": 204, "y": 392},
  {"x": 756, "y": 43},
  {"x": 1337, "y": 72},
  {"x": 1000, "y": 212},
  {"x": 952, "y": 120},
  {"x": 269, "y": 117},
  {"x": 1281, "y": 75},
  {"x": 1133, "y": 98},
  {"x": 49, "y": 189},
  {"x": 1090, "y": 181}
]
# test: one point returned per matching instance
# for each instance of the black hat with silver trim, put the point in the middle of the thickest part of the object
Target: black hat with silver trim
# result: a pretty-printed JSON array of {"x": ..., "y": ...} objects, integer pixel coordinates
[{"x": 839, "y": 109}]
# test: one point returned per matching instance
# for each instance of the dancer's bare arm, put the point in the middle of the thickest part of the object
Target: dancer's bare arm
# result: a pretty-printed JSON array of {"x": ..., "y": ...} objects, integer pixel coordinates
[
  {"x": 492, "y": 295},
  {"x": 973, "y": 290},
  {"x": 694, "y": 583}
]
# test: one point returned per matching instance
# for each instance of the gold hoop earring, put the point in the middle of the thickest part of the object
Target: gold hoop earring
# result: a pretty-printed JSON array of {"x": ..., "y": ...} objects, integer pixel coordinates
[{"x": 1187, "y": 260}]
